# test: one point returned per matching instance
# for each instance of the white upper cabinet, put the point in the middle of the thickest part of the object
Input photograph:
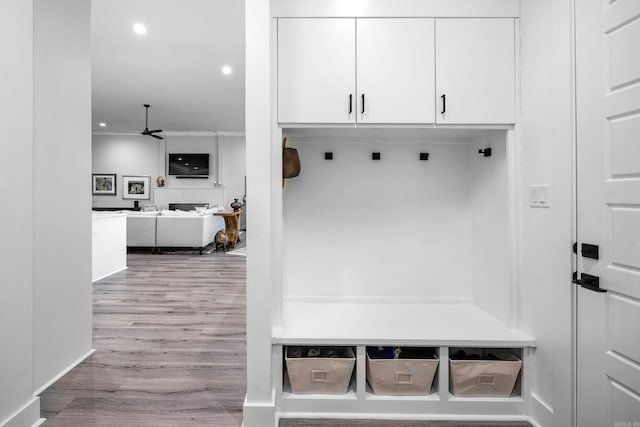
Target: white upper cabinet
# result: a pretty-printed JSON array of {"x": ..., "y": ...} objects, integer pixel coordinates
[
  {"x": 316, "y": 70},
  {"x": 395, "y": 69},
  {"x": 475, "y": 71}
]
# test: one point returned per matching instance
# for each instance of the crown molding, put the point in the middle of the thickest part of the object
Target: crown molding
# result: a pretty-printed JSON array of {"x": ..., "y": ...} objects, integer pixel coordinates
[
  {"x": 170, "y": 133},
  {"x": 231, "y": 133},
  {"x": 190, "y": 133}
]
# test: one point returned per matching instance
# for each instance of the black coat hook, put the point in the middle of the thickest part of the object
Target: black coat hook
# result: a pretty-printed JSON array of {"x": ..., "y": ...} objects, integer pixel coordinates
[{"x": 486, "y": 152}]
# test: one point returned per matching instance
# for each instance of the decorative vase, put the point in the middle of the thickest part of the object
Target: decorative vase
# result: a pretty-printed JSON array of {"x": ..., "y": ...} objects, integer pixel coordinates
[{"x": 236, "y": 205}]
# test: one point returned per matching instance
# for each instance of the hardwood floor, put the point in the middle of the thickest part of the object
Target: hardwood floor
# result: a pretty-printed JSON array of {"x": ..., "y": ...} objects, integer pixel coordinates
[{"x": 169, "y": 334}]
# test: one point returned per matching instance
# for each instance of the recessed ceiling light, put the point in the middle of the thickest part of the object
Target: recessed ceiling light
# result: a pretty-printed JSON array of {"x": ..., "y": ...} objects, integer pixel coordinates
[
  {"x": 139, "y": 28},
  {"x": 102, "y": 124},
  {"x": 226, "y": 69}
]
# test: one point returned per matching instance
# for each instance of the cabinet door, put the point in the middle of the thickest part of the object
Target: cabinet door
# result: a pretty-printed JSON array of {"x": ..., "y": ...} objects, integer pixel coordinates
[
  {"x": 475, "y": 70},
  {"x": 396, "y": 71},
  {"x": 316, "y": 70}
]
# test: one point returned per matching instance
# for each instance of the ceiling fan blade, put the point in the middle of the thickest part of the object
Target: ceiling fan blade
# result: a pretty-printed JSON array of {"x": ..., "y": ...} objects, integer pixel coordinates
[
  {"x": 155, "y": 131},
  {"x": 156, "y": 136}
]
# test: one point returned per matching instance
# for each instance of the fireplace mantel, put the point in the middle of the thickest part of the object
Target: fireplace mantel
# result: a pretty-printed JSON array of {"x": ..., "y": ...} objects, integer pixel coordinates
[{"x": 165, "y": 195}]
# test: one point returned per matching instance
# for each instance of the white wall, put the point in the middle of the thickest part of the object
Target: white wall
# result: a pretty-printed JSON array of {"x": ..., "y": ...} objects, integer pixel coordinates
[
  {"x": 265, "y": 208},
  {"x": 193, "y": 144},
  {"x": 490, "y": 225},
  {"x": 62, "y": 155},
  {"x": 233, "y": 165},
  {"x": 45, "y": 308},
  {"x": 545, "y": 144},
  {"x": 404, "y": 225},
  {"x": 142, "y": 155},
  {"x": 126, "y": 155},
  {"x": 16, "y": 186}
]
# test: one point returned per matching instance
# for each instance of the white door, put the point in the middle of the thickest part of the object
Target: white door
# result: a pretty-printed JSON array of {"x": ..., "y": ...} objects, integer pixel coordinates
[
  {"x": 396, "y": 71},
  {"x": 316, "y": 70},
  {"x": 608, "y": 195},
  {"x": 475, "y": 70}
]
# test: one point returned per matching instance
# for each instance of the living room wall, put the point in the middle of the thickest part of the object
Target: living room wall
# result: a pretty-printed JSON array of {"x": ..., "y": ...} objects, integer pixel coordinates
[
  {"x": 140, "y": 155},
  {"x": 125, "y": 155},
  {"x": 232, "y": 165}
]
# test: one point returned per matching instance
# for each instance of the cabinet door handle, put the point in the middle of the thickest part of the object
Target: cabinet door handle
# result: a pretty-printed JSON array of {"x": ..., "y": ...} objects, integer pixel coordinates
[
  {"x": 350, "y": 103},
  {"x": 444, "y": 103},
  {"x": 363, "y": 103}
]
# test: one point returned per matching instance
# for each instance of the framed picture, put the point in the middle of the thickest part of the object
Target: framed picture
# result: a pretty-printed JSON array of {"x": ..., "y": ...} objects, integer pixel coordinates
[
  {"x": 103, "y": 184},
  {"x": 136, "y": 187}
]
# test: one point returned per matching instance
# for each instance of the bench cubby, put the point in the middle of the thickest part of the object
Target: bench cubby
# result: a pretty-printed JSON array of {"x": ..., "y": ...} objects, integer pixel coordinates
[
  {"x": 360, "y": 401},
  {"x": 404, "y": 253}
]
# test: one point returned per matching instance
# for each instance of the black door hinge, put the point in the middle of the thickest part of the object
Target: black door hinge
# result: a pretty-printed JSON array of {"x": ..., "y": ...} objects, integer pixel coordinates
[{"x": 588, "y": 281}]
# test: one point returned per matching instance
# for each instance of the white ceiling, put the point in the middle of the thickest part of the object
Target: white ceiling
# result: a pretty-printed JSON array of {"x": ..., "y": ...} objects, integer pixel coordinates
[{"x": 175, "y": 67}]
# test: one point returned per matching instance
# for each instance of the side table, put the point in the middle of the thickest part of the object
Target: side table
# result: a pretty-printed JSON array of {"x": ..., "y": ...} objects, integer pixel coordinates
[{"x": 231, "y": 224}]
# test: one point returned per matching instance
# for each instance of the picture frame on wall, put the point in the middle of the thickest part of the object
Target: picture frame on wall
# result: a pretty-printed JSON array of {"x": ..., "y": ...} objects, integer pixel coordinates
[
  {"x": 103, "y": 184},
  {"x": 136, "y": 187}
]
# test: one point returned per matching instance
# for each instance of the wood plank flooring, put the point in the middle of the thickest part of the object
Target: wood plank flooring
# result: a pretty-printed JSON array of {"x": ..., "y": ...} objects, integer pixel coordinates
[{"x": 169, "y": 335}]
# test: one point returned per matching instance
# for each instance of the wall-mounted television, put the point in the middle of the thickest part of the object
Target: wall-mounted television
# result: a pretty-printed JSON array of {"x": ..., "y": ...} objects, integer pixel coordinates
[{"x": 188, "y": 164}]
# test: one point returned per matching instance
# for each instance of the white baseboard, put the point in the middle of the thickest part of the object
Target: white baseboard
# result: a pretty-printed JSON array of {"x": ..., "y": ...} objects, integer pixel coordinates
[
  {"x": 541, "y": 413},
  {"x": 259, "y": 414},
  {"x": 28, "y": 415},
  {"x": 374, "y": 300},
  {"x": 533, "y": 422},
  {"x": 62, "y": 373},
  {"x": 108, "y": 274},
  {"x": 402, "y": 417}
]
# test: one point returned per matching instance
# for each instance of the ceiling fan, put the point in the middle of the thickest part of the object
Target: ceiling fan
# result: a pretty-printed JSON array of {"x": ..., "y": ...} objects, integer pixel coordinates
[{"x": 146, "y": 130}]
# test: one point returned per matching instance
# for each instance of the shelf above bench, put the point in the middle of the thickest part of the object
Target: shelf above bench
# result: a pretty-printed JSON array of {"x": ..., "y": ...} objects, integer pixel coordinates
[{"x": 437, "y": 324}]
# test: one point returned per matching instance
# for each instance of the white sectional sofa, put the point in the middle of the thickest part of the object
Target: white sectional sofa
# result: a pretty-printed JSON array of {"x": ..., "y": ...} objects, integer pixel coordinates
[
  {"x": 141, "y": 229},
  {"x": 168, "y": 229},
  {"x": 195, "y": 231}
]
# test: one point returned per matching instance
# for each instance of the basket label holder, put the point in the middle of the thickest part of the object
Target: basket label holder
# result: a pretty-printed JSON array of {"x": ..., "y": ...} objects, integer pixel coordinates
[
  {"x": 319, "y": 376},
  {"x": 404, "y": 378}
]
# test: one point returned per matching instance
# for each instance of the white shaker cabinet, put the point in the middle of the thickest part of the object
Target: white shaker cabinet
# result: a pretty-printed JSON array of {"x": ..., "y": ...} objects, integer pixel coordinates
[
  {"x": 475, "y": 70},
  {"x": 316, "y": 70},
  {"x": 395, "y": 69},
  {"x": 318, "y": 59}
]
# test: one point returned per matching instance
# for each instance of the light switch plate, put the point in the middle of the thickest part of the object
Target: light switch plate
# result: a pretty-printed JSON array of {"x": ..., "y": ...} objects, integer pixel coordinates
[{"x": 540, "y": 196}]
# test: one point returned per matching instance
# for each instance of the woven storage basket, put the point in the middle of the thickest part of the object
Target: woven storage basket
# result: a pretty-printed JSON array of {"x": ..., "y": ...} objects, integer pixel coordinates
[
  {"x": 401, "y": 377},
  {"x": 323, "y": 375},
  {"x": 485, "y": 378}
]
